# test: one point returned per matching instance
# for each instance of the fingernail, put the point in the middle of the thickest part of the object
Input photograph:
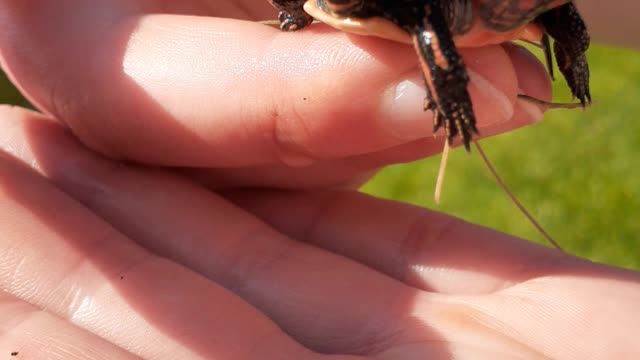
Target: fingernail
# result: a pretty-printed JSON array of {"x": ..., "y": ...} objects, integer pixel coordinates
[
  {"x": 533, "y": 111},
  {"x": 406, "y": 118},
  {"x": 492, "y": 98}
]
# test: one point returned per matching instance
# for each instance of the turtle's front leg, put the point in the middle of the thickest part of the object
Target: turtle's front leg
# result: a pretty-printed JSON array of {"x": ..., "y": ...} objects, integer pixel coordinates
[
  {"x": 445, "y": 76},
  {"x": 292, "y": 15},
  {"x": 571, "y": 41}
]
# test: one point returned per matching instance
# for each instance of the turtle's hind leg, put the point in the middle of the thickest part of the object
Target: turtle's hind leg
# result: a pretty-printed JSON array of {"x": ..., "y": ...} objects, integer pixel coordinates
[
  {"x": 445, "y": 76},
  {"x": 571, "y": 41},
  {"x": 292, "y": 16}
]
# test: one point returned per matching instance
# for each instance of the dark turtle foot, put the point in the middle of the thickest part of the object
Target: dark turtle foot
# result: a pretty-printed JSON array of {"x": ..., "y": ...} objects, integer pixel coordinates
[
  {"x": 445, "y": 77},
  {"x": 292, "y": 16},
  {"x": 571, "y": 41}
]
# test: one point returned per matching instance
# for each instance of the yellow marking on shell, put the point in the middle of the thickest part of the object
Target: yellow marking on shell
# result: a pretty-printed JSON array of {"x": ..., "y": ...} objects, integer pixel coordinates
[{"x": 375, "y": 26}]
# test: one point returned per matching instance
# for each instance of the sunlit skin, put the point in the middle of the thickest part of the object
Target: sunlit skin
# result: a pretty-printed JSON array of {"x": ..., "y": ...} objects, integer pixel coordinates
[
  {"x": 133, "y": 226},
  {"x": 434, "y": 26}
]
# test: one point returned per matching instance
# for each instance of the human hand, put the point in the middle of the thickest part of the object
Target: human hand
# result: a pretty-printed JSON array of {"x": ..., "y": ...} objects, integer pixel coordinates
[
  {"x": 162, "y": 113},
  {"x": 240, "y": 102},
  {"x": 104, "y": 260}
]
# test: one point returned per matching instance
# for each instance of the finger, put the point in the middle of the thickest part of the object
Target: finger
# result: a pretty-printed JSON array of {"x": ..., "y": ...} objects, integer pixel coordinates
[
  {"x": 538, "y": 87},
  {"x": 190, "y": 91},
  {"x": 327, "y": 302},
  {"x": 86, "y": 272},
  {"x": 31, "y": 333},
  {"x": 355, "y": 170}
]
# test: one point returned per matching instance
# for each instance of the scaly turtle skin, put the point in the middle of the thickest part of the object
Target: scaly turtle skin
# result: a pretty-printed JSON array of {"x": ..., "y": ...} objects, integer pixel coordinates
[{"x": 431, "y": 25}]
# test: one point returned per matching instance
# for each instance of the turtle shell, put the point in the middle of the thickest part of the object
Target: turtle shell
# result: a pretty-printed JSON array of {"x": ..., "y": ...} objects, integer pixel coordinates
[
  {"x": 479, "y": 35},
  {"x": 374, "y": 26}
]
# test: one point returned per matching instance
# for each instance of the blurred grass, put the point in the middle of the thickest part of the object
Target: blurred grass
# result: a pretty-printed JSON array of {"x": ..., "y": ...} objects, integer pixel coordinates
[
  {"x": 9, "y": 94},
  {"x": 577, "y": 172}
]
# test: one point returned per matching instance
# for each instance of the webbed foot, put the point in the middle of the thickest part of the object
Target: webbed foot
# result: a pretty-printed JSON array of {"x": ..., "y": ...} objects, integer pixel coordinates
[
  {"x": 445, "y": 77},
  {"x": 571, "y": 41},
  {"x": 292, "y": 16}
]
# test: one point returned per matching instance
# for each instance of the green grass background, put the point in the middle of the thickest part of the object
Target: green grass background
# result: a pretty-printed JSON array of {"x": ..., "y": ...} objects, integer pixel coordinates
[{"x": 577, "y": 172}]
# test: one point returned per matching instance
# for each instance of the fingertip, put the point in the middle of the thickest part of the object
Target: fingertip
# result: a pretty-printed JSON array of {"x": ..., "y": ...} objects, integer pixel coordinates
[
  {"x": 402, "y": 110},
  {"x": 493, "y": 85},
  {"x": 532, "y": 77},
  {"x": 493, "y": 91},
  {"x": 533, "y": 80}
]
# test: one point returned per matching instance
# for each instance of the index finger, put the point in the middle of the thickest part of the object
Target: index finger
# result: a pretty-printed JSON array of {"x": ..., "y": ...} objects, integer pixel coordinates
[{"x": 211, "y": 92}]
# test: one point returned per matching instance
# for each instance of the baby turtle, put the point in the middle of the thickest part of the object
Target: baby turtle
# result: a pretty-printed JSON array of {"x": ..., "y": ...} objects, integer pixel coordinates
[{"x": 430, "y": 25}]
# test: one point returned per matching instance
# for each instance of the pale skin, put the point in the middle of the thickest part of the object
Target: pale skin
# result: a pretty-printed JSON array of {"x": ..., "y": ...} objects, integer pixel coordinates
[{"x": 104, "y": 259}]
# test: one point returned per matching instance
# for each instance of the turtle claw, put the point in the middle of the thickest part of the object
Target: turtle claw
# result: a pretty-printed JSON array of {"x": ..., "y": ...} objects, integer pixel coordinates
[
  {"x": 453, "y": 111},
  {"x": 571, "y": 41},
  {"x": 545, "y": 44},
  {"x": 576, "y": 73},
  {"x": 292, "y": 16},
  {"x": 289, "y": 22},
  {"x": 445, "y": 77}
]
